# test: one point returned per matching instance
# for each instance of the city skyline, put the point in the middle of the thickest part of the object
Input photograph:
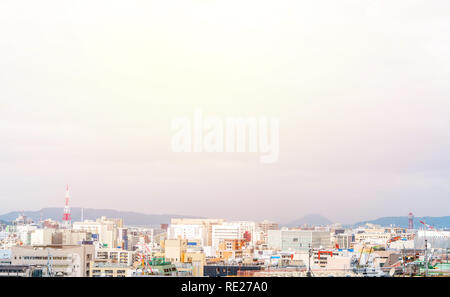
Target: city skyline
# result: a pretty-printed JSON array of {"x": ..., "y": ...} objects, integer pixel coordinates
[{"x": 251, "y": 217}]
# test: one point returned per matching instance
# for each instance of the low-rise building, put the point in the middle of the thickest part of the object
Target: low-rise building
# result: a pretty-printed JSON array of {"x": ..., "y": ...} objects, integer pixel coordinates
[
  {"x": 113, "y": 255},
  {"x": 60, "y": 260},
  {"x": 298, "y": 240},
  {"x": 175, "y": 249},
  {"x": 100, "y": 268}
]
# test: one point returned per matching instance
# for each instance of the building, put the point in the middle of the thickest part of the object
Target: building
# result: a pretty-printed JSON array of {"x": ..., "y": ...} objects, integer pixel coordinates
[
  {"x": 19, "y": 271},
  {"x": 206, "y": 223},
  {"x": 262, "y": 229},
  {"x": 229, "y": 270},
  {"x": 435, "y": 239},
  {"x": 247, "y": 231},
  {"x": 122, "y": 238},
  {"x": 58, "y": 260},
  {"x": 41, "y": 237},
  {"x": 197, "y": 260},
  {"x": 115, "y": 255},
  {"x": 190, "y": 232},
  {"x": 231, "y": 248},
  {"x": 108, "y": 269},
  {"x": 24, "y": 233},
  {"x": 158, "y": 266},
  {"x": 331, "y": 260},
  {"x": 175, "y": 249},
  {"x": 372, "y": 237},
  {"x": 5, "y": 257},
  {"x": 298, "y": 240},
  {"x": 105, "y": 230},
  {"x": 344, "y": 241},
  {"x": 225, "y": 232}
]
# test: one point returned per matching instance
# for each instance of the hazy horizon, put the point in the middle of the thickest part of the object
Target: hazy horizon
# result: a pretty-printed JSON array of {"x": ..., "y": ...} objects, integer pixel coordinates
[
  {"x": 88, "y": 92},
  {"x": 177, "y": 215}
]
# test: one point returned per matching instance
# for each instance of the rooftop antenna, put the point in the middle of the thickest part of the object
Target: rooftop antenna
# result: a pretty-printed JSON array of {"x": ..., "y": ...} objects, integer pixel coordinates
[
  {"x": 49, "y": 264},
  {"x": 426, "y": 257},
  {"x": 309, "y": 273},
  {"x": 411, "y": 221}
]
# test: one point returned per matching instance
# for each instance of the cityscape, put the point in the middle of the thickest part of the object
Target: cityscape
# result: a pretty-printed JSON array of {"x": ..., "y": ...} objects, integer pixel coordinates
[
  {"x": 205, "y": 247},
  {"x": 224, "y": 147}
]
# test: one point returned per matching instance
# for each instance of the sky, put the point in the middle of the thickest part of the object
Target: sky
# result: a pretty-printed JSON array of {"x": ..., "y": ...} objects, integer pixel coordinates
[{"x": 89, "y": 90}]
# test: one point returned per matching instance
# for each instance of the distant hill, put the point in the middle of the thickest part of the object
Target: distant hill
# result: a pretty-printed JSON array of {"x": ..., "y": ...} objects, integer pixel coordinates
[
  {"x": 130, "y": 218},
  {"x": 312, "y": 219},
  {"x": 437, "y": 222}
]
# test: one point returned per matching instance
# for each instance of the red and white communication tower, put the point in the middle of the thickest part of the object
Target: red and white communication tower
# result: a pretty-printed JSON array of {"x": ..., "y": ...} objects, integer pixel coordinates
[
  {"x": 410, "y": 221},
  {"x": 67, "y": 220}
]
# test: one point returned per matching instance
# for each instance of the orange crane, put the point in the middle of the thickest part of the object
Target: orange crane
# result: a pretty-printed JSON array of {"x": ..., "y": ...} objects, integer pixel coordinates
[{"x": 394, "y": 239}]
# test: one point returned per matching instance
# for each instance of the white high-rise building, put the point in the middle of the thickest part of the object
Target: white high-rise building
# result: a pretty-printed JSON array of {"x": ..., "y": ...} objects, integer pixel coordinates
[
  {"x": 247, "y": 227},
  {"x": 189, "y": 232},
  {"x": 224, "y": 231},
  {"x": 41, "y": 236},
  {"x": 105, "y": 229}
]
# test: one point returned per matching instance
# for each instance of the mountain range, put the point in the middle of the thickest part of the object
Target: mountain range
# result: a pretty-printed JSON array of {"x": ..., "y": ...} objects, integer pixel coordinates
[
  {"x": 129, "y": 217},
  {"x": 312, "y": 219},
  {"x": 140, "y": 219},
  {"x": 437, "y": 222}
]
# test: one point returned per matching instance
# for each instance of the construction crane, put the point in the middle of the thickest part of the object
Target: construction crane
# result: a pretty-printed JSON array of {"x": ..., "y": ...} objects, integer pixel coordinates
[
  {"x": 429, "y": 227},
  {"x": 360, "y": 255},
  {"x": 144, "y": 257},
  {"x": 368, "y": 256}
]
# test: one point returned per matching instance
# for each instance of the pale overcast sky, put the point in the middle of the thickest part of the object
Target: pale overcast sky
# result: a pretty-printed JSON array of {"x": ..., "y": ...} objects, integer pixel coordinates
[{"x": 88, "y": 91}]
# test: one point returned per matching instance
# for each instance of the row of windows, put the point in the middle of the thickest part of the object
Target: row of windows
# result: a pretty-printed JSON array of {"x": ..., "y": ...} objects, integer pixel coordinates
[
  {"x": 108, "y": 275},
  {"x": 108, "y": 271},
  {"x": 40, "y": 258},
  {"x": 11, "y": 271}
]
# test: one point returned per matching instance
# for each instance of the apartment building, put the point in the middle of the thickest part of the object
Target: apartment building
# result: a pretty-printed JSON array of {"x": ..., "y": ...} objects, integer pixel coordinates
[
  {"x": 206, "y": 223},
  {"x": 262, "y": 229},
  {"x": 108, "y": 269},
  {"x": 115, "y": 255},
  {"x": 106, "y": 230},
  {"x": 175, "y": 249},
  {"x": 224, "y": 232},
  {"x": 298, "y": 240},
  {"x": 190, "y": 232}
]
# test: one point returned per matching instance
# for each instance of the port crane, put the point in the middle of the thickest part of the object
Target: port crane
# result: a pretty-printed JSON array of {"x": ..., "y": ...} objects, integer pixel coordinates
[{"x": 362, "y": 252}]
